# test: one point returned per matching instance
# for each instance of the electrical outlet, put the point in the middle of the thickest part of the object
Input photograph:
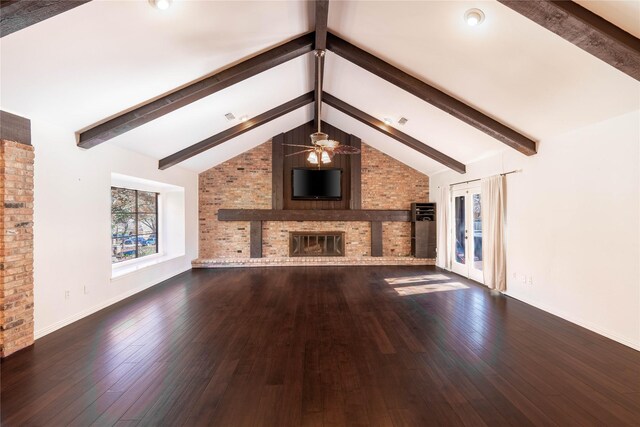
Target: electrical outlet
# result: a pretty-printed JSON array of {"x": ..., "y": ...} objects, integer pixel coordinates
[
  {"x": 67, "y": 294},
  {"x": 530, "y": 281}
]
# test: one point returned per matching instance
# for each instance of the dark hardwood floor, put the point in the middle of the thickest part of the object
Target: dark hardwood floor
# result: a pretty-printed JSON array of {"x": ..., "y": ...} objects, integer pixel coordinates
[{"x": 320, "y": 346}]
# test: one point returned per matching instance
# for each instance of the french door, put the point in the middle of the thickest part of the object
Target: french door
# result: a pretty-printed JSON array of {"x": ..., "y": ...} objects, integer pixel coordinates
[{"x": 466, "y": 206}]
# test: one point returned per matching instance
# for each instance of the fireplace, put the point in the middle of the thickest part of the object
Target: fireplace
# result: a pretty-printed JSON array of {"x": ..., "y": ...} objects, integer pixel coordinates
[{"x": 308, "y": 244}]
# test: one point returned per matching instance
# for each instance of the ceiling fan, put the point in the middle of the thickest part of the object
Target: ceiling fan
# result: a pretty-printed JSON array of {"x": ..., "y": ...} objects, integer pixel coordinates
[{"x": 322, "y": 148}]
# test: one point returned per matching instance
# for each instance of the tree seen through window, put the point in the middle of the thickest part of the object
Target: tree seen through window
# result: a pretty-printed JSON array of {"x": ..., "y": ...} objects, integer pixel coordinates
[{"x": 134, "y": 219}]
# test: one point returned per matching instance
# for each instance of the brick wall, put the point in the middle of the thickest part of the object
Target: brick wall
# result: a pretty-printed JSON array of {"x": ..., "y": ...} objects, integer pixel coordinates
[
  {"x": 389, "y": 184},
  {"x": 16, "y": 246},
  {"x": 244, "y": 182}
]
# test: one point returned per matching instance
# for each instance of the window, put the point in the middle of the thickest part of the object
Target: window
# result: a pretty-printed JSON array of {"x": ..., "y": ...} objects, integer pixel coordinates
[{"x": 134, "y": 224}]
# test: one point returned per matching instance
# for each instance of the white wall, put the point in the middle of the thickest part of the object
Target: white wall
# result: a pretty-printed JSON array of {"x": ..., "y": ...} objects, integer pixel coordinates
[
  {"x": 72, "y": 248},
  {"x": 573, "y": 225}
]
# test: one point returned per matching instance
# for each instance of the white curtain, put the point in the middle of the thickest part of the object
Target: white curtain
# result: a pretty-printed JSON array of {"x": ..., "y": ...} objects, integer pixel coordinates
[
  {"x": 493, "y": 243},
  {"x": 443, "y": 217}
]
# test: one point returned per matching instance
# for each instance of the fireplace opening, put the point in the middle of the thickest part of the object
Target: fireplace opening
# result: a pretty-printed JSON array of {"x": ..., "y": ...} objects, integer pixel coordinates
[{"x": 307, "y": 244}]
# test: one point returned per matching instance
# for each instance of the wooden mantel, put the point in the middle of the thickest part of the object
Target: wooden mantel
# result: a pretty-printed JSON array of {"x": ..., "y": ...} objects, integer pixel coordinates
[
  {"x": 256, "y": 216},
  {"x": 314, "y": 215}
]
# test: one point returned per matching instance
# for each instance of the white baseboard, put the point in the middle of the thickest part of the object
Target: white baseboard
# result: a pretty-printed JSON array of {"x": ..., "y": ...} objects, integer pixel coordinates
[
  {"x": 580, "y": 322},
  {"x": 84, "y": 313}
]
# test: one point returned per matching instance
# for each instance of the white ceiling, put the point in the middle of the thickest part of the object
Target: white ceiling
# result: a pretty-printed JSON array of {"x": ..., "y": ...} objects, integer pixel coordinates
[
  {"x": 623, "y": 13},
  {"x": 104, "y": 57}
]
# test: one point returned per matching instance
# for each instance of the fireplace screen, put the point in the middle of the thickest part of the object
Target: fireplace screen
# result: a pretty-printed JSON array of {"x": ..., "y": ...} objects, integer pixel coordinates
[{"x": 306, "y": 244}]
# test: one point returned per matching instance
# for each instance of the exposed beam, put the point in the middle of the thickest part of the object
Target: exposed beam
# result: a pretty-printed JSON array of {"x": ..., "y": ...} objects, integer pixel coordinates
[
  {"x": 195, "y": 91},
  {"x": 431, "y": 95},
  {"x": 16, "y": 15},
  {"x": 314, "y": 215},
  {"x": 322, "y": 19},
  {"x": 15, "y": 128},
  {"x": 586, "y": 30},
  {"x": 380, "y": 126},
  {"x": 235, "y": 131}
]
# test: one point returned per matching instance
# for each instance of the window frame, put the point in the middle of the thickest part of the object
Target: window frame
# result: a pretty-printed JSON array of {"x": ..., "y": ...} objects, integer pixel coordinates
[{"x": 136, "y": 214}]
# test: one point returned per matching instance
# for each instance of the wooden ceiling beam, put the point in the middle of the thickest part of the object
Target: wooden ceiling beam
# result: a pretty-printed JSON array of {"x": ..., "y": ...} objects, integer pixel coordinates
[
  {"x": 235, "y": 131},
  {"x": 584, "y": 29},
  {"x": 179, "y": 98},
  {"x": 390, "y": 131},
  {"x": 16, "y": 15},
  {"x": 15, "y": 128},
  {"x": 430, "y": 94},
  {"x": 322, "y": 20}
]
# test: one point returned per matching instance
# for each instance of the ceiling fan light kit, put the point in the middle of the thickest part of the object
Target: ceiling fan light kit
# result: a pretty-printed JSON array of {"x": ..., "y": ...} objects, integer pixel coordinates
[
  {"x": 313, "y": 158},
  {"x": 322, "y": 148}
]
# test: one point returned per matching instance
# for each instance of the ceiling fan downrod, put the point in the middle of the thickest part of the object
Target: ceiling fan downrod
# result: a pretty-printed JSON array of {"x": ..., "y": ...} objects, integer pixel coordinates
[{"x": 319, "y": 135}]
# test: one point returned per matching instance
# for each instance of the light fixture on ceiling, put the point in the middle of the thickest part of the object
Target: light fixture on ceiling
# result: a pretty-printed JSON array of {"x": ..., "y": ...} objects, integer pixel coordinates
[
  {"x": 230, "y": 116},
  {"x": 161, "y": 4},
  {"x": 403, "y": 121},
  {"x": 320, "y": 139},
  {"x": 243, "y": 118},
  {"x": 325, "y": 157},
  {"x": 313, "y": 158},
  {"x": 322, "y": 149},
  {"x": 387, "y": 121},
  {"x": 473, "y": 17}
]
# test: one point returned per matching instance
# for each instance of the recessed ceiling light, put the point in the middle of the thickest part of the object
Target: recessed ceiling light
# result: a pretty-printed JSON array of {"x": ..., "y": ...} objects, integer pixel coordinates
[
  {"x": 387, "y": 121},
  {"x": 161, "y": 4},
  {"x": 243, "y": 118},
  {"x": 474, "y": 17}
]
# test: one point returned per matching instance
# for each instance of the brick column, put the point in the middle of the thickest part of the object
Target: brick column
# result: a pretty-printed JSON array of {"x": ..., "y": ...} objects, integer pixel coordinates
[{"x": 16, "y": 246}]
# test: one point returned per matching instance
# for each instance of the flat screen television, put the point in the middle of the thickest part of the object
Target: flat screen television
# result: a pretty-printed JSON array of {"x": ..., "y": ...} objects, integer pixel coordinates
[{"x": 316, "y": 184}]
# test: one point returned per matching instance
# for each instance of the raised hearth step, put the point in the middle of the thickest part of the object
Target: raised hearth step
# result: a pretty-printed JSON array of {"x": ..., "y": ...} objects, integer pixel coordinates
[{"x": 316, "y": 261}]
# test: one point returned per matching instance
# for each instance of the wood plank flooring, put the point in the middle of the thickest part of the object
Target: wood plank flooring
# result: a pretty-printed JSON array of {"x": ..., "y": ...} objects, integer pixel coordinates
[{"x": 321, "y": 346}]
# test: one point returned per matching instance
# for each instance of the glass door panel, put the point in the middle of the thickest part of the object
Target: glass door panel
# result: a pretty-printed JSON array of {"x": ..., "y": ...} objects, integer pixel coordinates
[
  {"x": 475, "y": 252},
  {"x": 467, "y": 233},
  {"x": 460, "y": 229},
  {"x": 459, "y": 264}
]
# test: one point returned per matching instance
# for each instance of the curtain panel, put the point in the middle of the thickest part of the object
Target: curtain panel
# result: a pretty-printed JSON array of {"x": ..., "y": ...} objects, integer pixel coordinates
[
  {"x": 493, "y": 240},
  {"x": 443, "y": 218}
]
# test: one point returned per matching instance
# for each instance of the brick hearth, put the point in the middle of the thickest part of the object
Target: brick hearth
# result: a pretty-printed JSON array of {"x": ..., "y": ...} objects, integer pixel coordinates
[{"x": 308, "y": 261}]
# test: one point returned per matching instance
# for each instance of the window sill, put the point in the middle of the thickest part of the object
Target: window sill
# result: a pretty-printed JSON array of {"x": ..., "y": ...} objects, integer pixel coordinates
[{"x": 118, "y": 271}]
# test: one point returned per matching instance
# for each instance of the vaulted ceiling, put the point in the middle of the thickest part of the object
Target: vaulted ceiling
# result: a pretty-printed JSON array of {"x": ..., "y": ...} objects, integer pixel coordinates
[{"x": 103, "y": 58}]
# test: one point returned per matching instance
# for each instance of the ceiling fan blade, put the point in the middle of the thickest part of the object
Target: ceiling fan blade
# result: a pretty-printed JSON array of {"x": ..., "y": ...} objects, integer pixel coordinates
[
  {"x": 346, "y": 149},
  {"x": 297, "y": 145},
  {"x": 299, "y": 152}
]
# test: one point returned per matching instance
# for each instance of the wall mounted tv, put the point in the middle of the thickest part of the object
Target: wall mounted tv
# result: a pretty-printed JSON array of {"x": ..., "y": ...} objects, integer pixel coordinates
[{"x": 316, "y": 184}]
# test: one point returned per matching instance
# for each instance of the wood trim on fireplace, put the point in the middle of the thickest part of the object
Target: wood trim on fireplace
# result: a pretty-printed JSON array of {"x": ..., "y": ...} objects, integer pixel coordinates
[
  {"x": 255, "y": 238},
  {"x": 314, "y": 215},
  {"x": 277, "y": 172},
  {"x": 376, "y": 238},
  {"x": 356, "y": 174}
]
